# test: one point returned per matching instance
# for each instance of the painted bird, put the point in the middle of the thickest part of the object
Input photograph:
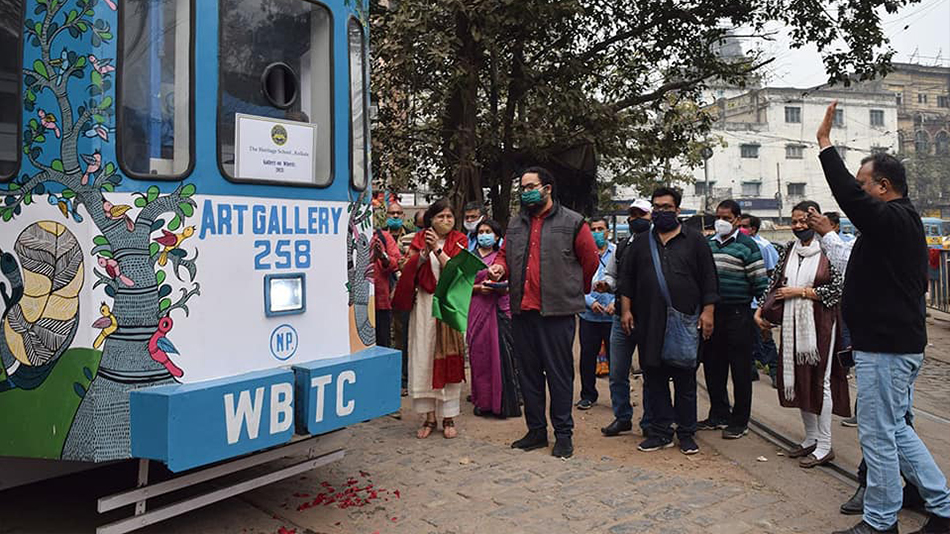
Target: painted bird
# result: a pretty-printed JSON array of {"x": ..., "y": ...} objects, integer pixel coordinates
[
  {"x": 107, "y": 323},
  {"x": 112, "y": 269},
  {"x": 159, "y": 347},
  {"x": 118, "y": 213},
  {"x": 171, "y": 241},
  {"x": 102, "y": 66},
  {"x": 93, "y": 164},
  {"x": 66, "y": 207},
  {"x": 62, "y": 65},
  {"x": 48, "y": 120},
  {"x": 98, "y": 130},
  {"x": 111, "y": 4}
]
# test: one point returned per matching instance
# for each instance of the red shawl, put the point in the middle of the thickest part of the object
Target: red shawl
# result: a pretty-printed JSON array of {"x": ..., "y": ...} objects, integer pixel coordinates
[{"x": 448, "y": 358}]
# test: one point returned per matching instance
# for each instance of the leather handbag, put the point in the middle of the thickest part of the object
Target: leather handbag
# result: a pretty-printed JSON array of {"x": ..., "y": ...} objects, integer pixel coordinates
[{"x": 773, "y": 309}]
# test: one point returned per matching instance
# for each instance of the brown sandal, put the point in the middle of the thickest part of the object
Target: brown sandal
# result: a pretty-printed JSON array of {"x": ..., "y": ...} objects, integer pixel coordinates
[
  {"x": 448, "y": 423},
  {"x": 427, "y": 427}
]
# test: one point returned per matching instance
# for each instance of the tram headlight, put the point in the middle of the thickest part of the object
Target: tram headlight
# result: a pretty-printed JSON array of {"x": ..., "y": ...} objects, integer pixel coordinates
[{"x": 284, "y": 294}]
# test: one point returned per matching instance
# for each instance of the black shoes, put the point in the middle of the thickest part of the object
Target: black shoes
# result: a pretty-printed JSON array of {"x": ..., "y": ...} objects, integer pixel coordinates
[
  {"x": 534, "y": 439},
  {"x": 688, "y": 446},
  {"x": 855, "y": 505},
  {"x": 563, "y": 448},
  {"x": 616, "y": 427},
  {"x": 585, "y": 404},
  {"x": 655, "y": 444},
  {"x": 935, "y": 525},
  {"x": 864, "y": 528},
  {"x": 735, "y": 432},
  {"x": 711, "y": 424}
]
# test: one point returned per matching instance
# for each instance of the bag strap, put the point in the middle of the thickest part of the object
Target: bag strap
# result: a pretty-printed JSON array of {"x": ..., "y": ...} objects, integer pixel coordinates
[{"x": 664, "y": 289}]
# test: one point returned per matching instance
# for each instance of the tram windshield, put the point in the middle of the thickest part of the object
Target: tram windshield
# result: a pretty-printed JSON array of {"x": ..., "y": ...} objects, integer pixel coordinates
[{"x": 292, "y": 39}]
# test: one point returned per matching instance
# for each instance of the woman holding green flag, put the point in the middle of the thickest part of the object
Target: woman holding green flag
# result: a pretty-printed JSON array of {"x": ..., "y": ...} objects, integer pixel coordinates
[
  {"x": 436, "y": 350},
  {"x": 494, "y": 380}
]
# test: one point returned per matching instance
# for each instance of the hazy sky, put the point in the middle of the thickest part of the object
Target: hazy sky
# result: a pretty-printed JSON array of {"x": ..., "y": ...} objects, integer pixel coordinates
[{"x": 928, "y": 33}]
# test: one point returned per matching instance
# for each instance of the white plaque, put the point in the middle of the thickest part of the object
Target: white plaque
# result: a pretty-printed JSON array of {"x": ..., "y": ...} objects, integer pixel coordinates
[{"x": 274, "y": 150}]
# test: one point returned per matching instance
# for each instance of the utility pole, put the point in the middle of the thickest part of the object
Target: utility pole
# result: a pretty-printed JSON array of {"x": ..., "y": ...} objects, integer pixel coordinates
[
  {"x": 707, "y": 153},
  {"x": 778, "y": 193}
]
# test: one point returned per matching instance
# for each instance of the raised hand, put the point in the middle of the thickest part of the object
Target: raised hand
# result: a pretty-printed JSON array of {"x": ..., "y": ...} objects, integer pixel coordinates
[{"x": 824, "y": 130}]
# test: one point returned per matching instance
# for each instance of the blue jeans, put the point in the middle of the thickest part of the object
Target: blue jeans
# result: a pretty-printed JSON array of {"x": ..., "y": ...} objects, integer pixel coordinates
[
  {"x": 622, "y": 347},
  {"x": 889, "y": 444}
]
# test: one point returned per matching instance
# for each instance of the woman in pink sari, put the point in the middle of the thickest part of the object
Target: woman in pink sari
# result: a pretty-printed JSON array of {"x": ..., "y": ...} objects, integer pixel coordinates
[{"x": 494, "y": 379}]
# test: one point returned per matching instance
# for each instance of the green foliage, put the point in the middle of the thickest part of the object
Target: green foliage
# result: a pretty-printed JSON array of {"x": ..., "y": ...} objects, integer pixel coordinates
[
  {"x": 470, "y": 91},
  {"x": 37, "y": 420}
]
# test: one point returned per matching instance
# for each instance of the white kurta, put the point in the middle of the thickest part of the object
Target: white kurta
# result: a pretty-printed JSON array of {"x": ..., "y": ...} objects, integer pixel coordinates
[{"x": 422, "y": 330}]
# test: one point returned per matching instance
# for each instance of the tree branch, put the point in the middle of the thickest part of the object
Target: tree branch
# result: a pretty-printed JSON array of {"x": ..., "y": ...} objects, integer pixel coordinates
[
  {"x": 37, "y": 164},
  {"x": 166, "y": 204},
  {"x": 662, "y": 90},
  {"x": 83, "y": 119},
  {"x": 186, "y": 295},
  {"x": 25, "y": 188},
  {"x": 104, "y": 280},
  {"x": 40, "y": 80}
]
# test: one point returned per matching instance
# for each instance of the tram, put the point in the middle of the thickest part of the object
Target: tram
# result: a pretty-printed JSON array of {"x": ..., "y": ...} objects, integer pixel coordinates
[{"x": 184, "y": 230}]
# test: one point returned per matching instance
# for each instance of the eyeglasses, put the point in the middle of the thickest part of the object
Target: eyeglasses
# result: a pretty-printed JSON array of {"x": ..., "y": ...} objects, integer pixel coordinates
[
  {"x": 664, "y": 207},
  {"x": 395, "y": 213},
  {"x": 531, "y": 186}
]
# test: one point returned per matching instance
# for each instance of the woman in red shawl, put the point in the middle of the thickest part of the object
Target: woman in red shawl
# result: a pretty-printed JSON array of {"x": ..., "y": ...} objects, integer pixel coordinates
[{"x": 436, "y": 351}]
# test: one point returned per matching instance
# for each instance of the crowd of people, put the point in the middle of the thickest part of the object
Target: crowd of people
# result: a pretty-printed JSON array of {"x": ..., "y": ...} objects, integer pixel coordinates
[{"x": 681, "y": 298}]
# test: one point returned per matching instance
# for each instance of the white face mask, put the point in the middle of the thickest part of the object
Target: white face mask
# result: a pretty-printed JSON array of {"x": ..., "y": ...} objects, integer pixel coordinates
[
  {"x": 723, "y": 228},
  {"x": 471, "y": 226}
]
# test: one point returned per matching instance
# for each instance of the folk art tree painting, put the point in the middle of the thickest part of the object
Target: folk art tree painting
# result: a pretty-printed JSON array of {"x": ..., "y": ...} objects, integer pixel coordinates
[{"x": 63, "y": 401}]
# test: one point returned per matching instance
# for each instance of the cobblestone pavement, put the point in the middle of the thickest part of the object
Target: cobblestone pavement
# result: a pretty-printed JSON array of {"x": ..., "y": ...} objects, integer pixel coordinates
[{"x": 467, "y": 485}]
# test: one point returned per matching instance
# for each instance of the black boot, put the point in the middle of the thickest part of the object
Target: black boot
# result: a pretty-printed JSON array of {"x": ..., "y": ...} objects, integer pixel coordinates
[
  {"x": 563, "y": 448},
  {"x": 534, "y": 439},
  {"x": 935, "y": 525},
  {"x": 864, "y": 528},
  {"x": 855, "y": 505},
  {"x": 616, "y": 427}
]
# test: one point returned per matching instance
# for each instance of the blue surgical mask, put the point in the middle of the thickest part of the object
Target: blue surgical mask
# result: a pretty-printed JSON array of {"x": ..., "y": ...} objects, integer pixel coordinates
[
  {"x": 600, "y": 239},
  {"x": 394, "y": 223},
  {"x": 486, "y": 240}
]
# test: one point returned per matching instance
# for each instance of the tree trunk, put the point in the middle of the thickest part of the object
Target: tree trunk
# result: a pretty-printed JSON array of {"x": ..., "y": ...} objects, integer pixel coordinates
[{"x": 100, "y": 429}]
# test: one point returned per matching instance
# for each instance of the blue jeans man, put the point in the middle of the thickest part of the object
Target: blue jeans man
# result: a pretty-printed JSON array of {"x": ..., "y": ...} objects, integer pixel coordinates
[
  {"x": 622, "y": 348},
  {"x": 889, "y": 444}
]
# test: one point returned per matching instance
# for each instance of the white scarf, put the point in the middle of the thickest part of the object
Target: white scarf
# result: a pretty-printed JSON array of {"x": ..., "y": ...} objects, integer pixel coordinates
[{"x": 799, "y": 334}]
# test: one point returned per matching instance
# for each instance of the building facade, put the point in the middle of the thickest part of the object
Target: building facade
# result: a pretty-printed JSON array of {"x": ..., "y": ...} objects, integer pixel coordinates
[{"x": 768, "y": 160}]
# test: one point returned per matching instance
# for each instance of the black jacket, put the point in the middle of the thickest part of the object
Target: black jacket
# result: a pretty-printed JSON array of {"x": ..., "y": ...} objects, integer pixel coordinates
[
  {"x": 886, "y": 279},
  {"x": 690, "y": 272}
]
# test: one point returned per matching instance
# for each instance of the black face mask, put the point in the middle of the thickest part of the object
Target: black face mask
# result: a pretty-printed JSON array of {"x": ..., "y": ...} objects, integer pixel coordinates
[
  {"x": 665, "y": 221},
  {"x": 638, "y": 226},
  {"x": 804, "y": 235}
]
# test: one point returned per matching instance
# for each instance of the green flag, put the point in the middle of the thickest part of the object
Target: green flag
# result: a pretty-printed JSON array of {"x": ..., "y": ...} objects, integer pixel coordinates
[{"x": 454, "y": 292}]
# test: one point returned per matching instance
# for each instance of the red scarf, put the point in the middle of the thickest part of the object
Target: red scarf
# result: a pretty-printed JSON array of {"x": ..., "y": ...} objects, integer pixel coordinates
[
  {"x": 448, "y": 357},
  {"x": 416, "y": 276}
]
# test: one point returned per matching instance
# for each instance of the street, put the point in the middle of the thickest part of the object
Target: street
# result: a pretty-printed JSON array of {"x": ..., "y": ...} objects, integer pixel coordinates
[{"x": 389, "y": 481}]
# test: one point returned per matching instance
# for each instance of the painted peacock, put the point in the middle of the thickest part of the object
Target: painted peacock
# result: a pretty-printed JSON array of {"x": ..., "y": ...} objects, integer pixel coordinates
[{"x": 41, "y": 311}]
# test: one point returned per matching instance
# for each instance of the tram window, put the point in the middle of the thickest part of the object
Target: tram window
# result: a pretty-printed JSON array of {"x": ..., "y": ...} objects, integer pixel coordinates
[
  {"x": 155, "y": 116},
  {"x": 358, "y": 164},
  {"x": 11, "y": 108},
  {"x": 265, "y": 47}
]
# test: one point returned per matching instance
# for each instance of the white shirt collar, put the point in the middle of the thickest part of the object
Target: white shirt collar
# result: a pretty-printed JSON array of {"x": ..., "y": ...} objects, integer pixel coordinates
[{"x": 728, "y": 237}]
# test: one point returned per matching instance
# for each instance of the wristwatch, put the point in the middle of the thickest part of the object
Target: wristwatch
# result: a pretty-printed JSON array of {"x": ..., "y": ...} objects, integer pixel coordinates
[{"x": 438, "y": 252}]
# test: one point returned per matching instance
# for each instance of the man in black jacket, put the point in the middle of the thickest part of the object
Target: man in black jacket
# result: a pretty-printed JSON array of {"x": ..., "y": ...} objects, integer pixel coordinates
[
  {"x": 686, "y": 262},
  {"x": 883, "y": 305}
]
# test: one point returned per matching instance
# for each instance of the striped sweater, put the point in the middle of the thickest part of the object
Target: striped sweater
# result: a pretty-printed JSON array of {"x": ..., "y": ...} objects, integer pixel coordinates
[{"x": 741, "y": 269}]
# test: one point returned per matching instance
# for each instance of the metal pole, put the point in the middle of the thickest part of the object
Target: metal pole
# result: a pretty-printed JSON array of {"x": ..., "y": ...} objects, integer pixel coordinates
[
  {"x": 778, "y": 194},
  {"x": 706, "y": 189}
]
